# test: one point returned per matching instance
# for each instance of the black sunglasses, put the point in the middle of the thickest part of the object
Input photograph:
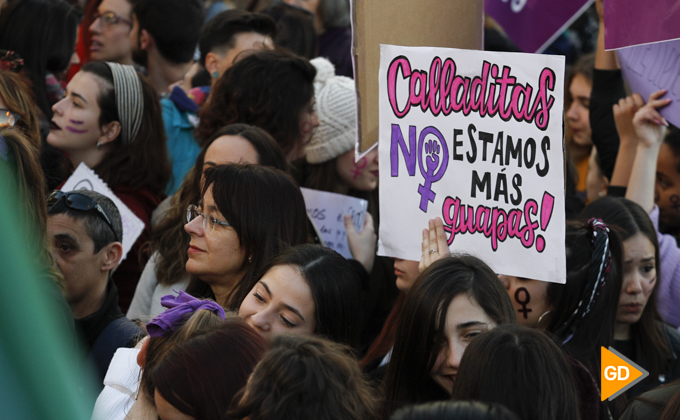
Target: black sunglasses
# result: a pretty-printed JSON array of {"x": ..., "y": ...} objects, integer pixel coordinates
[{"x": 78, "y": 201}]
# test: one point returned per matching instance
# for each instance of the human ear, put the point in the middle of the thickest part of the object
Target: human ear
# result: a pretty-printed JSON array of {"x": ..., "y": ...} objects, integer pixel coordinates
[
  {"x": 114, "y": 252},
  {"x": 141, "y": 356},
  {"x": 145, "y": 39},
  {"x": 212, "y": 63},
  {"x": 110, "y": 132}
]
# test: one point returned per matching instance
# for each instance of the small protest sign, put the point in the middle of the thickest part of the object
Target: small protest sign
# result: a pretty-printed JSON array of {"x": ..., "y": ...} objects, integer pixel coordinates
[
  {"x": 534, "y": 24},
  {"x": 327, "y": 211},
  {"x": 634, "y": 22},
  {"x": 475, "y": 138},
  {"x": 84, "y": 178},
  {"x": 652, "y": 67}
]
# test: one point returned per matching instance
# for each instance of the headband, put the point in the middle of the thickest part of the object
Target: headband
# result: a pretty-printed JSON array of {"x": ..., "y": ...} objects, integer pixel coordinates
[
  {"x": 600, "y": 263},
  {"x": 180, "y": 308},
  {"x": 129, "y": 99}
]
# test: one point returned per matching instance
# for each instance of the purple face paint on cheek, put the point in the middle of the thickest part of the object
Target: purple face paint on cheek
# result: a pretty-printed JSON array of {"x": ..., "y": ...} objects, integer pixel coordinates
[
  {"x": 358, "y": 166},
  {"x": 524, "y": 301},
  {"x": 76, "y": 122},
  {"x": 75, "y": 130}
]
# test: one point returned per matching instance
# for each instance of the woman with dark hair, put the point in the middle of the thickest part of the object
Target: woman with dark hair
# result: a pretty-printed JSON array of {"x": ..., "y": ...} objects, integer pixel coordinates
[
  {"x": 444, "y": 410},
  {"x": 111, "y": 121},
  {"x": 247, "y": 215},
  {"x": 308, "y": 289},
  {"x": 578, "y": 140},
  {"x": 165, "y": 271},
  {"x": 640, "y": 334},
  {"x": 662, "y": 403},
  {"x": 582, "y": 312},
  {"x": 272, "y": 90},
  {"x": 43, "y": 33},
  {"x": 200, "y": 376},
  {"x": 522, "y": 369},
  {"x": 306, "y": 378},
  {"x": 454, "y": 300}
]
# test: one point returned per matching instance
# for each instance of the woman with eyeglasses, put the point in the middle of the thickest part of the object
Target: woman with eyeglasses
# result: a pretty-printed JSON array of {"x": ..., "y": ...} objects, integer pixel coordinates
[
  {"x": 165, "y": 271},
  {"x": 110, "y": 120},
  {"x": 247, "y": 215}
]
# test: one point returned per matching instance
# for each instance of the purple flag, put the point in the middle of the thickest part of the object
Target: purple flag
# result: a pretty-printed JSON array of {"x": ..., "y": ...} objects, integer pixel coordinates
[
  {"x": 652, "y": 67},
  {"x": 534, "y": 24},
  {"x": 636, "y": 22}
]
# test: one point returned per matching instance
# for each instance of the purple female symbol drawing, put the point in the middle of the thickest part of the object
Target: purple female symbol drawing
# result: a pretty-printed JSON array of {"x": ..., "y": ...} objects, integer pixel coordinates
[{"x": 433, "y": 148}]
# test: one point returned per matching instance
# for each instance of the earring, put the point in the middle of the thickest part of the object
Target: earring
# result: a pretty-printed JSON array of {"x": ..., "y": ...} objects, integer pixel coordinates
[
  {"x": 99, "y": 145},
  {"x": 215, "y": 74},
  {"x": 540, "y": 318},
  {"x": 250, "y": 259}
]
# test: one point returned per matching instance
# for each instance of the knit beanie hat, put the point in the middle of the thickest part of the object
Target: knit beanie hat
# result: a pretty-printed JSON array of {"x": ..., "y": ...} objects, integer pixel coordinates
[{"x": 336, "y": 108}]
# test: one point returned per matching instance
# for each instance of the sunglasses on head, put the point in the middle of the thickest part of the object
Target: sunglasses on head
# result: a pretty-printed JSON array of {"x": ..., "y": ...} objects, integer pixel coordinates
[{"x": 81, "y": 202}]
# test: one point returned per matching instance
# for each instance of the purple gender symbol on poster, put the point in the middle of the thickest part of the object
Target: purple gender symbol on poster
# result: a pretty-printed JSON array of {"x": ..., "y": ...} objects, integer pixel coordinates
[{"x": 433, "y": 149}]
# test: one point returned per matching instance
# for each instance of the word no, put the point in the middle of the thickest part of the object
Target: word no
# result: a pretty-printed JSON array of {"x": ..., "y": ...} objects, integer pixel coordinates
[{"x": 494, "y": 92}]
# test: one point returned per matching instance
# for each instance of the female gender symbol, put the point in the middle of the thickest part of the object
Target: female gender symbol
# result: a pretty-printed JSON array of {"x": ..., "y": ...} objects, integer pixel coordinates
[
  {"x": 432, "y": 150},
  {"x": 524, "y": 302},
  {"x": 358, "y": 166}
]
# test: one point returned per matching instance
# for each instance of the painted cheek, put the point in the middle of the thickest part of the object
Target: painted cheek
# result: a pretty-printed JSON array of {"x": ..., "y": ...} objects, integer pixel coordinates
[
  {"x": 523, "y": 297},
  {"x": 358, "y": 168},
  {"x": 76, "y": 130}
]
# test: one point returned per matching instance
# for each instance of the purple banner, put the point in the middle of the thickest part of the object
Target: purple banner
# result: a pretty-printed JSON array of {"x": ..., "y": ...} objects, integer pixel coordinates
[
  {"x": 652, "y": 67},
  {"x": 637, "y": 22},
  {"x": 534, "y": 24}
]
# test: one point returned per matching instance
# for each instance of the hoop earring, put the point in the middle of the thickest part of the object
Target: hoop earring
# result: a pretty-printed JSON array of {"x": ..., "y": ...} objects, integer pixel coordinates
[
  {"x": 99, "y": 145},
  {"x": 540, "y": 318}
]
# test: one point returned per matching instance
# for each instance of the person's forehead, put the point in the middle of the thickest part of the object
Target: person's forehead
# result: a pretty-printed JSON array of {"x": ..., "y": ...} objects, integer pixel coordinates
[
  {"x": 63, "y": 224},
  {"x": 116, "y": 6}
]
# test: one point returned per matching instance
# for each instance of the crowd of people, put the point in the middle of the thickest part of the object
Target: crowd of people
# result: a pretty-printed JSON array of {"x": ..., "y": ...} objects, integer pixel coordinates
[{"x": 204, "y": 118}]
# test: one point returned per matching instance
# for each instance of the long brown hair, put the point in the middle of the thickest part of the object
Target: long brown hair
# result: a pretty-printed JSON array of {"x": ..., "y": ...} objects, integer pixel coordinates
[
  {"x": 143, "y": 163},
  {"x": 17, "y": 95},
  {"x": 169, "y": 238},
  {"x": 382, "y": 345},
  {"x": 420, "y": 328},
  {"x": 31, "y": 189}
]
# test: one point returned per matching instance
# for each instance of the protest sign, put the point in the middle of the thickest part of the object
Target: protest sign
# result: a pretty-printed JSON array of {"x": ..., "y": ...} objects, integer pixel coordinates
[
  {"x": 84, "y": 178},
  {"x": 327, "y": 211},
  {"x": 450, "y": 23},
  {"x": 652, "y": 67},
  {"x": 475, "y": 138},
  {"x": 534, "y": 24},
  {"x": 634, "y": 22}
]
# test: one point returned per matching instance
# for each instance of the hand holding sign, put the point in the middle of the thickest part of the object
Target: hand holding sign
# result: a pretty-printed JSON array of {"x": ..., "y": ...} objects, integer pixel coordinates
[
  {"x": 649, "y": 124},
  {"x": 362, "y": 244},
  {"x": 435, "y": 244}
]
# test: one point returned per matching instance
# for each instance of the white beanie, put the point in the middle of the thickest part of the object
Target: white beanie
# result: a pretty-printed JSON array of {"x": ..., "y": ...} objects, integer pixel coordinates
[{"x": 336, "y": 108}]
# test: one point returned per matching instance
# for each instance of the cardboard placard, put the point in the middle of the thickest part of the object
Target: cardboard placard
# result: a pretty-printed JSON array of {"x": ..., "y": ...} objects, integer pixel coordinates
[
  {"x": 436, "y": 23},
  {"x": 638, "y": 22},
  {"x": 327, "y": 211},
  {"x": 475, "y": 138},
  {"x": 652, "y": 67},
  {"x": 84, "y": 178}
]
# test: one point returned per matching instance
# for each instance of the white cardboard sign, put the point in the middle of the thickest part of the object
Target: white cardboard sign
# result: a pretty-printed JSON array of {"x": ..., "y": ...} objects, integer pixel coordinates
[
  {"x": 84, "y": 178},
  {"x": 475, "y": 138},
  {"x": 327, "y": 211}
]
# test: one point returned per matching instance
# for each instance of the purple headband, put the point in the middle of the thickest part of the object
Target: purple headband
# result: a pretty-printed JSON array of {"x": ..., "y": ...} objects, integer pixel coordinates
[{"x": 178, "y": 309}]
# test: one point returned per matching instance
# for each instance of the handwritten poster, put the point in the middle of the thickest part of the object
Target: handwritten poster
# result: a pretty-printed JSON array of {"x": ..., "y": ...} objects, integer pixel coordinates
[
  {"x": 475, "y": 138},
  {"x": 638, "y": 22},
  {"x": 534, "y": 24},
  {"x": 652, "y": 67},
  {"x": 327, "y": 210},
  {"x": 84, "y": 178}
]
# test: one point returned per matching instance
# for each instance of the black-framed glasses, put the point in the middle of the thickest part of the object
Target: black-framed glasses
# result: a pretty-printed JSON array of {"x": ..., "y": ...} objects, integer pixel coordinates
[
  {"x": 193, "y": 211},
  {"x": 8, "y": 118},
  {"x": 77, "y": 201},
  {"x": 110, "y": 19}
]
